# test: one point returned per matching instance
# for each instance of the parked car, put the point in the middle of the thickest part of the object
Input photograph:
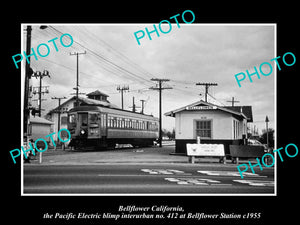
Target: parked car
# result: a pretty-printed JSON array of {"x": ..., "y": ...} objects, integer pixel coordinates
[{"x": 256, "y": 142}]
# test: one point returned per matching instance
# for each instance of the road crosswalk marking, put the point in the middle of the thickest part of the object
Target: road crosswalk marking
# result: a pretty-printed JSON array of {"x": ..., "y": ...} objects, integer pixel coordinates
[
  {"x": 262, "y": 183},
  {"x": 228, "y": 173},
  {"x": 195, "y": 181},
  {"x": 192, "y": 180},
  {"x": 164, "y": 171}
]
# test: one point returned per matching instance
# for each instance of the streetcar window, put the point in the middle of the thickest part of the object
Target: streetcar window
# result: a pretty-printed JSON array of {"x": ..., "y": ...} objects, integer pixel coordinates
[
  {"x": 84, "y": 119},
  {"x": 93, "y": 118},
  {"x": 72, "y": 118},
  {"x": 108, "y": 122}
]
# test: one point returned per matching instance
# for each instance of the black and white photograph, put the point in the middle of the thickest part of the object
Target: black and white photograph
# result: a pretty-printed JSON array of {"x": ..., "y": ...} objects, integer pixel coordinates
[
  {"x": 165, "y": 116},
  {"x": 102, "y": 116}
]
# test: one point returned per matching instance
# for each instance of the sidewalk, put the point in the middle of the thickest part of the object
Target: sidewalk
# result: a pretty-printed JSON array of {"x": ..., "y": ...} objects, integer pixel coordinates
[{"x": 131, "y": 155}]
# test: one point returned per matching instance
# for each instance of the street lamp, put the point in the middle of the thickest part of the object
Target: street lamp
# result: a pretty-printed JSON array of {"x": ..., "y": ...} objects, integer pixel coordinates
[{"x": 267, "y": 120}]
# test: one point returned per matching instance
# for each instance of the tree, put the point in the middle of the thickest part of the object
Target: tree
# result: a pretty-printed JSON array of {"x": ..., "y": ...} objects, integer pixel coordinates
[
  {"x": 263, "y": 137},
  {"x": 169, "y": 134}
]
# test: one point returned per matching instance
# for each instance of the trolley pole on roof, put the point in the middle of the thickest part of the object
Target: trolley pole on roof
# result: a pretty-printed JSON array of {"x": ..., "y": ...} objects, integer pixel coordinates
[
  {"x": 160, "y": 88},
  {"x": 134, "y": 107},
  {"x": 143, "y": 102}
]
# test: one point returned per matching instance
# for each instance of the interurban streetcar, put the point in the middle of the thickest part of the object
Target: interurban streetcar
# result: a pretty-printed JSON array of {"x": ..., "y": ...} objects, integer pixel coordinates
[{"x": 101, "y": 127}]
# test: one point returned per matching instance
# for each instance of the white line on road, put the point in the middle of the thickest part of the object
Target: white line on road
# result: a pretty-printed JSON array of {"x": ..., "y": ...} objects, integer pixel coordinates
[{"x": 229, "y": 173}]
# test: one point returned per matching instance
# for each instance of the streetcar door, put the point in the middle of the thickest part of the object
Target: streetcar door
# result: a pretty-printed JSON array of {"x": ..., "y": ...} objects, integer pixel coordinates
[
  {"x": 94, "y": 125},
  {"x": 83, "y": 124},
  {"x": 104, "y": 124}
]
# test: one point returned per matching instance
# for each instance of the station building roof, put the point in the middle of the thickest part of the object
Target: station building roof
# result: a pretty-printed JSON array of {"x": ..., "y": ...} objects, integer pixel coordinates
[{"x": 243, "y": 111}]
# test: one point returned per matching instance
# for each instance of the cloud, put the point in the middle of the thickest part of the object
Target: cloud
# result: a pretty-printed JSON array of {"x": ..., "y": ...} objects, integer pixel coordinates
[{"x": 186, "y": 55}]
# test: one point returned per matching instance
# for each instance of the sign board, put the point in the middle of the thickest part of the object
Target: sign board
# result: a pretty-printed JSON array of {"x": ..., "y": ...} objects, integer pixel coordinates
[
  {"x": 205, "y": 150},
  {"x": 202, "y": 107}
]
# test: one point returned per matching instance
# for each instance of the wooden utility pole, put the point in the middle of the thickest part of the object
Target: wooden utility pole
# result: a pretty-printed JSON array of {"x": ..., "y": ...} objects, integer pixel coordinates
[
  {"x": 207, "y": 85},
  {"x": 28, "y": 73},
  {"x": 41, "y": 75},
  {"x": 58, "y": 111},
  {"x": 160, "y": 88},
  {"x": 77, "y": 74},
  {"x": 233, "y": 101},
  {"x": 121, "y": 90}
]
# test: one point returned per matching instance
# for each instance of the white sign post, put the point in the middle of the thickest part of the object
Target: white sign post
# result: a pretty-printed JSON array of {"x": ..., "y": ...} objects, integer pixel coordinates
[{"x": 40, "y": 158}]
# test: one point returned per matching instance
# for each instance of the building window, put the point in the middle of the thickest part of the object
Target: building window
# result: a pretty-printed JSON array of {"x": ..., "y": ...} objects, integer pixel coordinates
[
  {"x": 236, "y": 129},
  {"x": 204, "y": 128}
]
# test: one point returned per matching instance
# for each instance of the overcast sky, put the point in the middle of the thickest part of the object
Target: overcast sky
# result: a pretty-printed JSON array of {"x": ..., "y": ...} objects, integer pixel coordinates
[{"x": 186, "y": 55}]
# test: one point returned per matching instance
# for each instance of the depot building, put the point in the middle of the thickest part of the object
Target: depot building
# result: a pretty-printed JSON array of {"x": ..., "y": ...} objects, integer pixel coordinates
[{"x": 212, "y": 123}]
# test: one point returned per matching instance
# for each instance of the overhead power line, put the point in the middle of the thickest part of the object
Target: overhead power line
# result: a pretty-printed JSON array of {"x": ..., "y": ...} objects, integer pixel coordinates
[{"x": 129, "y": 73}]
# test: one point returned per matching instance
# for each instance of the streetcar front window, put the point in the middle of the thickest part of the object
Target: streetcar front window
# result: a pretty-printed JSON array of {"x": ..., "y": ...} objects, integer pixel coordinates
[
  {"x": 72, "y": 118},
  {"x": 84, "y": 119}
]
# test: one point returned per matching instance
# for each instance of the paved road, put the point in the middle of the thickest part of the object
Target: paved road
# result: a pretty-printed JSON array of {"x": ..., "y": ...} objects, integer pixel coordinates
[{"x": 144, "y": 179}]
